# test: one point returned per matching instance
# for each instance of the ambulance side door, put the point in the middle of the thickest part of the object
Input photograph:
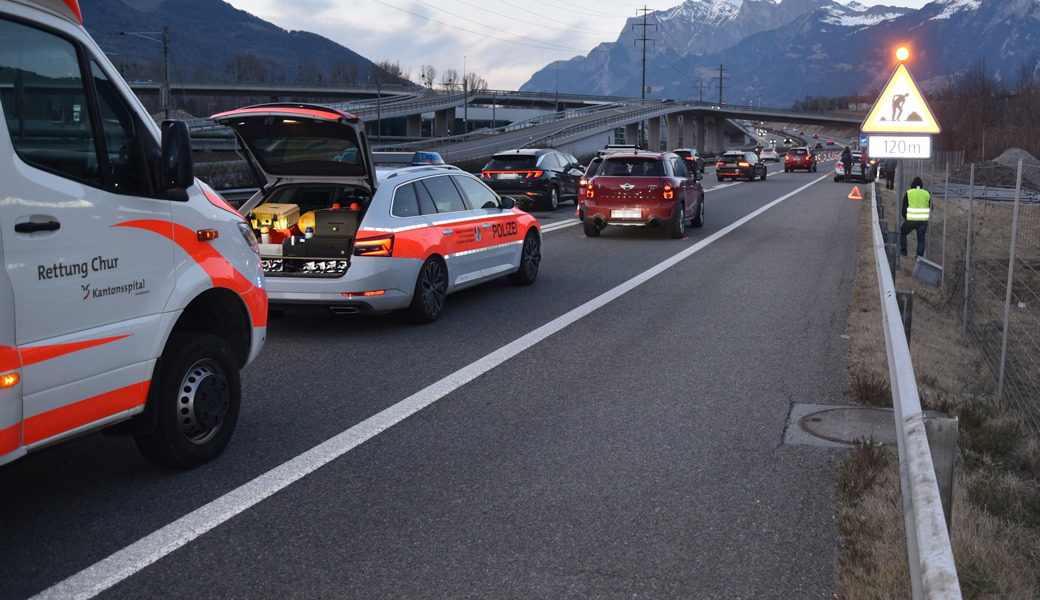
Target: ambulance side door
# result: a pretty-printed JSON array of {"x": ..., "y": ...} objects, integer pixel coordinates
[
  {"x": 88, "y": 251},
  {"x": 10, "y": 366}
]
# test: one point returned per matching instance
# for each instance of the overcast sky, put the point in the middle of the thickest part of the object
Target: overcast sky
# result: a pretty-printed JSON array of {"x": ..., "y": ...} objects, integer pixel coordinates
[{"x": 503, "y": 41}]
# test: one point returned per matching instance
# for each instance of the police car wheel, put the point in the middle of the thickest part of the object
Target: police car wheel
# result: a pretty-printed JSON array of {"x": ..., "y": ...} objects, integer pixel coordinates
[
  {"x": 431, "y": 287},
  {"x": 197, "y": 395},
  {"x": 530, "y": 259}
]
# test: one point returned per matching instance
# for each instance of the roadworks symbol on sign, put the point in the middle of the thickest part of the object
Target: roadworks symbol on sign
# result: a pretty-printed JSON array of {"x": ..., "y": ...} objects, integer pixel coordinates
[
  {"x": 900, "y": 108},
  {"x": 854, "y": 194}
]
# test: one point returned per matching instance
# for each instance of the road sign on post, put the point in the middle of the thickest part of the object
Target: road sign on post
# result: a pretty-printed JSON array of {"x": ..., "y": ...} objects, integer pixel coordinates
[{"x": 903, "y": 116}]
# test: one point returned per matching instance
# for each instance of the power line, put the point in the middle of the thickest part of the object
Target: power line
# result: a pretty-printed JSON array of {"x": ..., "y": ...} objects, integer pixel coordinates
[{"x": 644, "y": 39}]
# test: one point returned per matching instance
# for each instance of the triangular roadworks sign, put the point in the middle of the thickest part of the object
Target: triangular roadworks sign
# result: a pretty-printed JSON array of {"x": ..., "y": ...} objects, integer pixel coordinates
[
  {"x": 900, "y": 108},
  {"x": 854, "y": 194}
]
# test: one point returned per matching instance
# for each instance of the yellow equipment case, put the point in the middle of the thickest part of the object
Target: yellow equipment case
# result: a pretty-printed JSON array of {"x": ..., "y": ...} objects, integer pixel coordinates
[{"x": 275, "y": 216}]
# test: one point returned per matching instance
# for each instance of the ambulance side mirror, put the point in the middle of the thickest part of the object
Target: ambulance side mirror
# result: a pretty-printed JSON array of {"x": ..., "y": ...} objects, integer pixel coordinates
[{"x": 176, "y": 169}]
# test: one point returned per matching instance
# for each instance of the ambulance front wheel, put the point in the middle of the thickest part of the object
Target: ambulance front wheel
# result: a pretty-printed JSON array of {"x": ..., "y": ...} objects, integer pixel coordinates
[{"x": 198, "y": 394}]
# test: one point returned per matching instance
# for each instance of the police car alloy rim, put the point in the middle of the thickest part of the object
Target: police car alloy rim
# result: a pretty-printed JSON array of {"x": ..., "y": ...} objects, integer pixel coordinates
[{"x": 202, "y": 402}]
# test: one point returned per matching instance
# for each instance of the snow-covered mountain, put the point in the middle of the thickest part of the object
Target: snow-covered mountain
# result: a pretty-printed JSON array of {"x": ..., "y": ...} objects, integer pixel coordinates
[{"x": 775, "y": 52}]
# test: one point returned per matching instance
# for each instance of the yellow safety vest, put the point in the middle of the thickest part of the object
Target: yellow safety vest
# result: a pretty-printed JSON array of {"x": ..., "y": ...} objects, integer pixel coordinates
[{"x": 917, "y": 204}]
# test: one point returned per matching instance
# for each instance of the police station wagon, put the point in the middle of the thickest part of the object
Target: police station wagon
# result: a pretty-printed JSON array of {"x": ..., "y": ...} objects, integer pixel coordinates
[{"x": 332, "y": 235}]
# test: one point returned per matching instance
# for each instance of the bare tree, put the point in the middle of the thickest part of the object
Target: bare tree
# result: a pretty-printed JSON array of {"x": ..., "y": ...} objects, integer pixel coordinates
[
  {"x": 427, "y": 75},
  {"x": 451, "y": 81},
  {"x": 475, "y": 83}
]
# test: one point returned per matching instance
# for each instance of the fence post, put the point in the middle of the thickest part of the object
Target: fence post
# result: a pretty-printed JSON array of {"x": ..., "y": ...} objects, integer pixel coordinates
[
  {"x": 905, "y": 300},
  {"x": 942, "y": 441},
  {"x": 946, "y": 212},
  {"x": 967, "y": 248},
  {"x": 1010, "y": 283}
]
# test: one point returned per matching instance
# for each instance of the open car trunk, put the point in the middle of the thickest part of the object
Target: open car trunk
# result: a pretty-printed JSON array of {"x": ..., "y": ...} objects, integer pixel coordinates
[{"x": 318, "y": 179}]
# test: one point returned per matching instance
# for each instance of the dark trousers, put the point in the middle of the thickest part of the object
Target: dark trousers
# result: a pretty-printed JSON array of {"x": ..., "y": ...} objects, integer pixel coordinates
[
  {"x": 921, "y": 227},
  {"x": 890, "y": 180}
]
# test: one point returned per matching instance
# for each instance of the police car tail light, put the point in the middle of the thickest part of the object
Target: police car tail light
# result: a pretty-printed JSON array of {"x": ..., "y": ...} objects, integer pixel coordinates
[
  {"x": 382, "y": 245},
  {"x": 669, "y": 193}
]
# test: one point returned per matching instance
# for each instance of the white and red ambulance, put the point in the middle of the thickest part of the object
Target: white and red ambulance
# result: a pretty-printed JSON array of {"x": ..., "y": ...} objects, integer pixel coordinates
[{"x": 131, "y": 294}]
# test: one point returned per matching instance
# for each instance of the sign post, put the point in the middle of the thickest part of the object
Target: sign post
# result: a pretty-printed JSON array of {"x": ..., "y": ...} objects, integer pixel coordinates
[{"x": 900, "y": 124}]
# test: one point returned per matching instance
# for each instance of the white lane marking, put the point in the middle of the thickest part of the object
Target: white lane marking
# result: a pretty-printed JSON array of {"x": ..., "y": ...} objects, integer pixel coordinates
[
  {"x": 119, "y": 566},
  {"x": 560, "y": 225}
]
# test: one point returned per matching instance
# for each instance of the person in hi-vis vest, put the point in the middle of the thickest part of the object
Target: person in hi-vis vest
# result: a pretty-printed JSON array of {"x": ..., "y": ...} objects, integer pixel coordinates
[{"x": 915, "y": 208}]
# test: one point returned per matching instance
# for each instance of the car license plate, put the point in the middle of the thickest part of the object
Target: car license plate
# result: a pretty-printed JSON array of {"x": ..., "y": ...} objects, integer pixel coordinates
[
  {"x": 626, "y": 213},
  {"x": 507, "y": 176}
]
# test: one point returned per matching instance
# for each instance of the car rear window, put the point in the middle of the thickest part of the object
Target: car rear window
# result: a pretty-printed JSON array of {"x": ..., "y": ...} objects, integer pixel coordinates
[
  {"x": 798, "y": 151},
  {"x": 519, "y": 162},
  {"x": 633, "y": 167}
]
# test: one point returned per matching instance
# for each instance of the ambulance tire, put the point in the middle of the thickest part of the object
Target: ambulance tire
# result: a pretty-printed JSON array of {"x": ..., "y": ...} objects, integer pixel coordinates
[
  {"x": 431, "y": 286},
  {"x": 198, "y": 393},
  {"x": 530, "y": 259}
]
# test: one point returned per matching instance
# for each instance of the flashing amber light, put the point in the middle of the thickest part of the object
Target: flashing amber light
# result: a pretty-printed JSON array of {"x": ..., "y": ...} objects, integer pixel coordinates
[
  {"x": 743, "y": 164},
  {"x": 9, "y": 380},
  {"x": 589, "y": 193},
  {"x": 206, "y": 235},
  {"x": 902, "y": 53}
]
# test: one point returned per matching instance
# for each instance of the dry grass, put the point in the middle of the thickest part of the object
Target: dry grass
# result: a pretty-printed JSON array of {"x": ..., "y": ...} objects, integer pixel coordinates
[{"x": 996, "y": 509}]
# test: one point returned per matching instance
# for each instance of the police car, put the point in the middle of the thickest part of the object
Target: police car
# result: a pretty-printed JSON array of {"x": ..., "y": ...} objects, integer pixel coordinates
[{"x": 333, "y": 235}]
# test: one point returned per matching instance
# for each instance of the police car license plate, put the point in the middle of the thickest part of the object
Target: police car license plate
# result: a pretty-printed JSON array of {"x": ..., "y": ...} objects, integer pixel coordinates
[{"x": 626, "y": 213}]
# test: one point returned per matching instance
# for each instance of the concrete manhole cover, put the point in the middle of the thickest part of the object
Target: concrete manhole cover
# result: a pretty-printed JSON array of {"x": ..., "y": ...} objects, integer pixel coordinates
[{"x": 848, "y": 424}]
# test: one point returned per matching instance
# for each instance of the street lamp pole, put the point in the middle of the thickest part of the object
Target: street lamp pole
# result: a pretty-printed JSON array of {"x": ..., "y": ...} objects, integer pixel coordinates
[{"x": 164, "y": 88}]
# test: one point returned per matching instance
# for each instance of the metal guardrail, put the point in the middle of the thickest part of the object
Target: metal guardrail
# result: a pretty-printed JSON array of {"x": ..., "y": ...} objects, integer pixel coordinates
[{"x": 933, "y": 573}]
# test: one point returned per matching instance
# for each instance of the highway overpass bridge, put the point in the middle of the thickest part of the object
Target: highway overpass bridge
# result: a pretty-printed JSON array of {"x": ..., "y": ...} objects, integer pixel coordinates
[{"x": 577, "y": 124}]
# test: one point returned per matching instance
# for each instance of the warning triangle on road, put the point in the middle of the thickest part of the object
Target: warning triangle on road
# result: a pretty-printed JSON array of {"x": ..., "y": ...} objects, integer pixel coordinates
[
  {"x": 900, "y": 108},
  {"x": 854, "y": 194}
]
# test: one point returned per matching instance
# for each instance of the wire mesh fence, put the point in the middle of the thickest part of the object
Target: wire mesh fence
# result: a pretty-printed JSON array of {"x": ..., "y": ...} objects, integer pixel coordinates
[{"x": 984, "y": 230}]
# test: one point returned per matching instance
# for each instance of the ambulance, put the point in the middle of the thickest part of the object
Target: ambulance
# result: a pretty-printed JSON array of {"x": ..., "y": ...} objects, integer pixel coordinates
[{"x": 131, "y": 294}]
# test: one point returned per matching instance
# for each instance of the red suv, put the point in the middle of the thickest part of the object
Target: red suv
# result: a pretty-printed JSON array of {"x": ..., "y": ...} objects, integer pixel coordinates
[
  {"x": 800, "y": 158},
  {"x": 653, "y": 189}
]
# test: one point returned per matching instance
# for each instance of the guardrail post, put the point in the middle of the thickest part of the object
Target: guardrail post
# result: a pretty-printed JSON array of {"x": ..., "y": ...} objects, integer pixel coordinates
[
  {"x": 942, "y": 442},
  {"x": 905, "y": 299}
]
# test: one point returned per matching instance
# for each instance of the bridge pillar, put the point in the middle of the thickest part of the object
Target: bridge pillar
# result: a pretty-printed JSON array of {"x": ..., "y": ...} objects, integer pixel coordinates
[
  {"x": 720, "y": 134},
  {"x": 632, "y": 133},
  {"x": 654, "y": 134},
  {"x": 413, "y": 125},
  {"x": 702, "y": 139},
  {"x": 688, "y": 132},
  {"x": 442, "y": 122},
  {"x": 673, "y": 131}
]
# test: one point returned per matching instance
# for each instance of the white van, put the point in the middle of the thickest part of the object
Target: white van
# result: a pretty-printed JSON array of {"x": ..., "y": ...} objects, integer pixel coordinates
[{"x": 131, "y": 294}]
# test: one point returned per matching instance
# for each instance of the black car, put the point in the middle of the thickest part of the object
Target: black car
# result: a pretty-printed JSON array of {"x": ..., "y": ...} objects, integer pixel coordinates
[
  {"x": 692, "y": 158},
  {"x": 539, "y": 175},
  {"x": 736, "y": 163}
]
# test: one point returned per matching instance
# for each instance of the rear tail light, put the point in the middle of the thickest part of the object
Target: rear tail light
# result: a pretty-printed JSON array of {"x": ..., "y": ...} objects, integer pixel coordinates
[
  {"x": 719, "y": 164},
  {"x": 669, "y": 193},
  {"x": 534, "y": 174},
  {"x": 743, "y": 164},
  {"x": 382, "y": 245},
  {"x": 589, "y": 193}
]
